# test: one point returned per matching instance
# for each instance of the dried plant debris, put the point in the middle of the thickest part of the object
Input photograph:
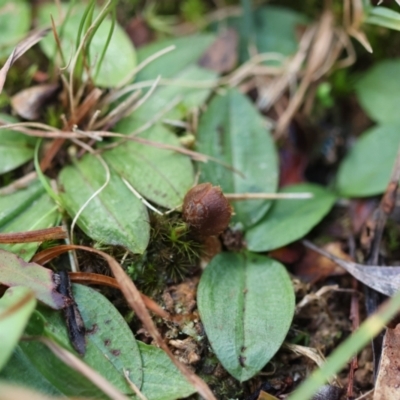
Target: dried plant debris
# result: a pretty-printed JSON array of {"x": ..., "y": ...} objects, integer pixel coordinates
[
  {"x": 42, "y": 281},
  {"x": 29, "y": 102},
  {"x": 385, "y": 280},
  {"x": 73, "y": 318}
]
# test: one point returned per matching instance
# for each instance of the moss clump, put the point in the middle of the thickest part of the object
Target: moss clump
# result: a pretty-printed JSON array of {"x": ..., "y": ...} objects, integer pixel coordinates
[{"x": 172, "y": 255}]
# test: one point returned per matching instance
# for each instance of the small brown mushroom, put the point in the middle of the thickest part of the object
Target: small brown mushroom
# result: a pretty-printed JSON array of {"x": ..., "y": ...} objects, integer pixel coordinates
[{"x": 206, "y": 210}]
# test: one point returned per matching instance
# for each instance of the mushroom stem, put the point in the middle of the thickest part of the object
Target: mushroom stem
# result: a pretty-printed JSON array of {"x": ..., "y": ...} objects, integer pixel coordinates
[{"x": 267, "y": 196}]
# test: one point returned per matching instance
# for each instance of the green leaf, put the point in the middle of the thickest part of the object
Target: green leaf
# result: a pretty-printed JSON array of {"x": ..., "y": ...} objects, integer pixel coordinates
[
  {"x": 16, "y": 272},
  {"x": 13, "y": 204},
  {"x": 161, "y": 379},
  {"x": 289, "y": 220},
  {"x": 246, "y": 303},
  {"x": 383, "y": 16},
  {"x": 15, "y": 148},
  {"x": 26, "y": 210},
  {"x": 366, "y": 169},
  {"x": 15, "y": 20},
  {"x": 379, "y": 92},
  {"x": 162, "y": 176},
  {"x": 180, "y": 65},
  {"x": 187, "y": 52},
  {"x": 185, "y": 94},
  {"x": 119, "y": 59},
  {"x": 232, "y": 131},
  {"x": 20, "y": 370},
  {"x": 275, "y": 31},
  {"x": 111, "y": 347},
  {"x": 16, "y": 306},
  {"x": 115, "y": 216}
]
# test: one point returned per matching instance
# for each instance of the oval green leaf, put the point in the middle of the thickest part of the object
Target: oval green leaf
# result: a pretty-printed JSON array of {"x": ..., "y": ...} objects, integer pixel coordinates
[
  {"x": 289, "y": 220},
  {"x": 187, "y": 52},
  {"x": 15, "y": 148},
  {"x": 115, "y": 216},
  {"x": 272, "y": 28},
  {"x": 26, "y": 210},
  {"x": 366, "y": 169},
  {"x": 276, "y": 29},
  {"x": 185, "y": 94},
  {"x": 161, "y": 175},
  {"x": 246, "y": 303},
  {"x": 16, "y": 306},
  {"x": 15, "y": 20},
  {"x": 15, "y": 203},
  {"x": 232, "y": 131},
  {"x": 379, "y": 93},
  {"x": 119, "y": 59},
  {"x": 161, "y": 379},
  {"x": 111, "y": 348}
]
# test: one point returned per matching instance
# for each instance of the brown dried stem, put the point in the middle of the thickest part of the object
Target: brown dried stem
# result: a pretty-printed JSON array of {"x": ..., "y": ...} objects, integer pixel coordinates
[
  {"x": 39, "y": 235},
  {"x": 89, "y": 278}
]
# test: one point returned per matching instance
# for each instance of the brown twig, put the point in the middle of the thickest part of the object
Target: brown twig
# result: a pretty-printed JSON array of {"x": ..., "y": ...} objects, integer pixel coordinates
[
  {"x": 355, "y": 322},
  {"x": 80, "y": 113},
  {"x": 316, "y": 63},
  {"x": 39, "y": 235},
  {"x": 89, "y": 278}
]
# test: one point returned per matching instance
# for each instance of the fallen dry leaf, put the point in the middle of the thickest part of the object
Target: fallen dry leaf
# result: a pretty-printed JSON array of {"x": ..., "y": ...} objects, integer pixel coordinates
[
  {"x": 266, "y": 396},
  {"x": 313, "y": 266},
  {"x": 288, "y": 254},
  {"x": 360, "y": 210},
  {"x": 385, "y": 280},
  {"x": 222, "y": 55},
  {"x": 28, "y": 103},
  {"x": 14, "y": 271},
  {"x": 139, "y": 31},
  {"x": 293, "y": 163},
  {"x": 19, "y": 50}
]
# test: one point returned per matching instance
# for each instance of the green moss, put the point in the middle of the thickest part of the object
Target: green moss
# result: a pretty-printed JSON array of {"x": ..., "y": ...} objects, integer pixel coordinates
[{"x": 171, "y": 255}]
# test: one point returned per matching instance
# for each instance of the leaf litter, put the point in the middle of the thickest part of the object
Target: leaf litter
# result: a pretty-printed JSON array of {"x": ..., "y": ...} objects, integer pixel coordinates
[{"x": 385, "y": 280}]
